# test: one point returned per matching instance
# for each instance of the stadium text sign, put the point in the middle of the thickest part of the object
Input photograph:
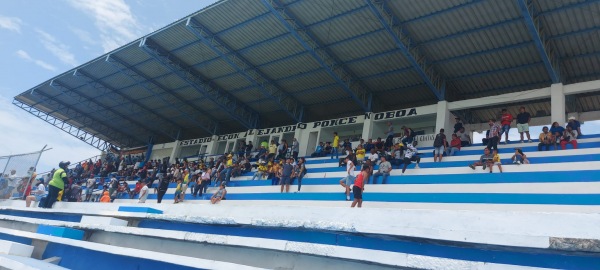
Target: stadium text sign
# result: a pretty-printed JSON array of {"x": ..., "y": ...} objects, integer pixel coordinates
[
  {"x": 266, "y": 131},
  {"x": 334, "y": 122},
  {"x": 195, "y": 141},
  {"x": 391, "y": 114}
]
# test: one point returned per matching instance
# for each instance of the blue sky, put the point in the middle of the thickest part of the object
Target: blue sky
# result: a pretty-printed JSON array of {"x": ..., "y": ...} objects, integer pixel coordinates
[{"x": 41, "y": 39}]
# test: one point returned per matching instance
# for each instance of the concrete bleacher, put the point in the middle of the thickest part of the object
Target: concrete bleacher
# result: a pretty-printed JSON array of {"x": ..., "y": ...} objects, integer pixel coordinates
[{"x": 441, "y": 216}]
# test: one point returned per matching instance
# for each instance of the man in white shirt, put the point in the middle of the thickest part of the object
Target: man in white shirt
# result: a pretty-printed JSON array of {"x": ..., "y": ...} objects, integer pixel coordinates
[
  {"x": 374, "y": 157},
  {"x": 347, "y": 181},
  {"x": 143, "y": 193}
]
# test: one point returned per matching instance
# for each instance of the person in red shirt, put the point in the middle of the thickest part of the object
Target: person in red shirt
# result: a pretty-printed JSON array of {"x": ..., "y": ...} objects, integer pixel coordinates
[
  {"x": 455, "y": 145},
  {"x": 359, "y": 186},
  {"x": 505, "y": 120}
]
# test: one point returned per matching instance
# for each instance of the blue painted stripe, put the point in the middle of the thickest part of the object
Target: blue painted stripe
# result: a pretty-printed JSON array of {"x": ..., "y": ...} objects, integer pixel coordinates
[{"x": 477, "y": 198}]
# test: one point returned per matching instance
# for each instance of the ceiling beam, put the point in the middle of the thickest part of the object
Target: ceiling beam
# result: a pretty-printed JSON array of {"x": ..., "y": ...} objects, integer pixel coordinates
[{"x": 413, "y": 54}]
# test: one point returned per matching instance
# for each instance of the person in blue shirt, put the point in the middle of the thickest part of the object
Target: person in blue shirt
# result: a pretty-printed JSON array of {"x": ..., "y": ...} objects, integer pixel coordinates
[
  {"x": 318, "y": 151},
  {"x": 557, "y": 133},
  {"x": 575, "y": 125}
]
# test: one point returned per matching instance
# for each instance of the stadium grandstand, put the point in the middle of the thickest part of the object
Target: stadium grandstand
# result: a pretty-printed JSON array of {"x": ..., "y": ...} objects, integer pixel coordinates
[{"x": 222, "y": 90}]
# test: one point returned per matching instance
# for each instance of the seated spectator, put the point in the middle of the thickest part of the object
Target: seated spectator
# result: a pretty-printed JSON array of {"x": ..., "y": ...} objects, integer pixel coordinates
[
  {"x": 496, "y": 161},
  {"x": 319, "y": 151},
  {"x": 455, "y": 145},
  {"x": 557, "y": 132},
  {"x": 75, "y": 192},
  {"x": 361, "y": 142},
  {"x": 262, "y": 153},
  {"x": 411, "y": 155},
  {"x": 486, "y": 160},
  {"x": 37, "y": 194},
  {"x": 219, "y": 195},
  {"x": 569, "y": 137},
  {"x": 545, "y": 139},
  {"x": 374, "y": 157},
  {"x": 465, "y": 139},
  {"x": 138, "y": 186},
  {"x": 328, "y": 149},
  {"x": 261, "y": 172},
  {"x": 409, "y": 135},
  {"x": 379, "y": 145},
  {"x": 519, "y": 157},
  {"x": 105, "y": 197},
  {"x": 346, "y": 144},
  {"x": 486, "y": 139},
  {"x": 575, "y": 125},
  {"x": 384, "y": 169},
  {"x": 458, "y": 125},
  {"x": 360, "y": 153},
  {"x": 369, "y": 145},
  {"x": 397, "y": 155}
]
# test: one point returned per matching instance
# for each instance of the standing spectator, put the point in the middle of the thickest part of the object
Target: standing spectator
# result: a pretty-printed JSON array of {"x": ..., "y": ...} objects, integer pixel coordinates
[
  {"x": 557, "y": 132},
  {"x": 228, "y": 168},
  {"x": 300, "y": 171},
  {"x": 523, "y": 119},
  {"x": 295, "y": 149},
  {"x": 178, "y": 189},
  {"x": 286, "y": 175},
  {"x": 494, "y": 135},
  {"x": 575, "y": 125},
  {"x": 281, "y": 150},
  {"x": 272, "y": 149},
  {"x": 347, "y": 181},
  {"x": 545, "y": 139},
  {"x": 219, "y": 195},
  {"x": 569, "y": 137},
  {"x": 519, "y": 157},
  {"x": 505, "y": 120},
  {"x": 411, "y": 155},
  {"x": 163, "y": 186},
  {"x": 486, "y": 160},
  {"x": 275, "y": 173},
  {"x": 385, "y": 168},
  {"x": 75, "y": 192},
  {"x": 455, "y": 145},
  {"x": 465, "y": 139},
  {"x": 143, "y": 193},
  {"x": 249, "y": 147},
  {"x": 496, "y": 161},
  {"x": 335, "y": 145},
  {"x": 458, "y": 125},
  {"x": 136, "y": 190},
  {"x": 91, "y": 182},
  {"x": 37, "y": 194},
  {"x": 409, "y": 135},
  {"x": 439, "y": 146},
  {"x": 57, "y": 183},
  {"x": 359, "y": 186},
  {"x": 389, "y": 140}
]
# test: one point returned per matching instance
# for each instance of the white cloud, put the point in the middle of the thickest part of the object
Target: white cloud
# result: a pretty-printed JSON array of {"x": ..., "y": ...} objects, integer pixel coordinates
[
  {"x": 10, "y": 23},
  {"x": 23, "y": 133},
  {"x": 83, "y": 35},
  {"x": 24, "y": 55},
  {"x": 58, "y": 49},
  {"x": 113, "y": 18}
]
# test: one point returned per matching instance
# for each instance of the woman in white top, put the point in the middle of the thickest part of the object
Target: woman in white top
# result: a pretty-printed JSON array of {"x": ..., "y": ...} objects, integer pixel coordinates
[{"x": 36, "y": 195}]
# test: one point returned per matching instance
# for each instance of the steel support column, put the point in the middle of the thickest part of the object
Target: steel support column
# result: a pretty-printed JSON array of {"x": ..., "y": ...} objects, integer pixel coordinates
[
  {"x": 285, "y": 101},
  {"x": 392, "y": 25},
  {"x": 228, "y": 103},
  {"x": 342, "y": 75},
  {"x": 544, "y": 47},
  {"x": 150, "y": 84}
]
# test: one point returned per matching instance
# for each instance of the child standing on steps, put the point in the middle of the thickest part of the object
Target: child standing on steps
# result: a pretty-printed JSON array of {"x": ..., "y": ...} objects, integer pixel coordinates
[
  {"x": 178, "y": 190},
  {"x": 496, "y": 161}
]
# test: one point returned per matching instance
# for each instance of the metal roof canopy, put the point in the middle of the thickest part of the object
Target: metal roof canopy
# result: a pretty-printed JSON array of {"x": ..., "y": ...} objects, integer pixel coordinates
[{"x": 237, "y": 65}]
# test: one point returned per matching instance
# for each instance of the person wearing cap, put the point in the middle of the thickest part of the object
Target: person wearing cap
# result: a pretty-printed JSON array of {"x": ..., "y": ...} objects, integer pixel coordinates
[
  {"x": 219, "y": 195},
  {"x": 37, "y": 194},
  {"x": 575, "y": 125},
  {"x": 57, "y": 184}
]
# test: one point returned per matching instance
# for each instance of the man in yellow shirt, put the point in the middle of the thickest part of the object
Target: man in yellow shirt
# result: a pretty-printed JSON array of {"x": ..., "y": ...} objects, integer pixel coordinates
[{"x": 335, "y": 145}]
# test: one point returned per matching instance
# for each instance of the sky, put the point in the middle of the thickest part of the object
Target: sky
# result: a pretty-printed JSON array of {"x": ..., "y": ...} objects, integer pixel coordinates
[{"x": 40, "y": 39}]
